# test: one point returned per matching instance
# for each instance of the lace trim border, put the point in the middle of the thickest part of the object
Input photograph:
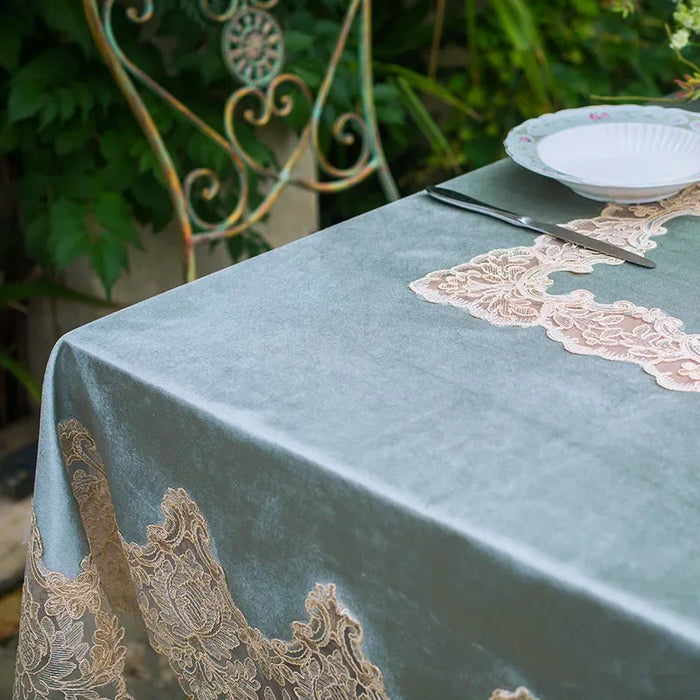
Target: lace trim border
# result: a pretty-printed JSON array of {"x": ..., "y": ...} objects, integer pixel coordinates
[
  {"x": 71, "y": 644},
  {"x": 509, "y": 287}
]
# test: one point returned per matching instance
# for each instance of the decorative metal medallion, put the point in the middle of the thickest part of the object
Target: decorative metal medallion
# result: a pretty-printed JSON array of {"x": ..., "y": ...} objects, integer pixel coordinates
[{"x": 253, "y": 46}]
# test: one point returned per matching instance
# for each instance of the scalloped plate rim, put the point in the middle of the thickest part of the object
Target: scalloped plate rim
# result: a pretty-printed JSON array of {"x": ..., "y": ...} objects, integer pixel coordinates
[{"x": 535, "y": 164}]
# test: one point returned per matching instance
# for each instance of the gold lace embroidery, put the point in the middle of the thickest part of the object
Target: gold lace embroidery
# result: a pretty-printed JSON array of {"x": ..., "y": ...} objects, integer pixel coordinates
[
  {"x": 71, "y": 643},
  {"x": 518, "y": 694},
  {"x": 91, "y": 491},
  {"x": 508, "y": 287},
  {"x": 191, "y": 619}
]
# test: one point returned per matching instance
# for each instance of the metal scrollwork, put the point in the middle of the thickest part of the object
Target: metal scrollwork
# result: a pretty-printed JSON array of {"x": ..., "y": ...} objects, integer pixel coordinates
[
  {"x": 253, "y": 46},
  {"x": 219, "y": 16},
  {"x": 139, "y": 17},
  {"x": 270, "y": 103},
  {"x": 346, "y": 136},
  {"x": 211, "y": 186},
  {"x": 232, "y": 8}
]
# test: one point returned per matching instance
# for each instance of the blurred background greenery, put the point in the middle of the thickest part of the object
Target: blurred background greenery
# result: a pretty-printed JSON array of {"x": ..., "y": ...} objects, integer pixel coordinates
[{"x": 451, "y": 78}]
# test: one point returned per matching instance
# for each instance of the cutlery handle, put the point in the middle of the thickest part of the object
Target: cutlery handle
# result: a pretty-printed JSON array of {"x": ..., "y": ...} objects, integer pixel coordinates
[
  {"x": 464, "y": 201},
  {"x": 457, "y": 199}
]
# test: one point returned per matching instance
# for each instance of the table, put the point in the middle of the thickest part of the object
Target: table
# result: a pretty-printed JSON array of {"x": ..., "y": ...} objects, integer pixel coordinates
[{"x": 490, "y": 510}]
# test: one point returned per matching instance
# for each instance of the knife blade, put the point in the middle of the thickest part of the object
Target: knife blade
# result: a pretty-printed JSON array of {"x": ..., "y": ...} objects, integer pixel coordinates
[{"x": 464, "y": 201}]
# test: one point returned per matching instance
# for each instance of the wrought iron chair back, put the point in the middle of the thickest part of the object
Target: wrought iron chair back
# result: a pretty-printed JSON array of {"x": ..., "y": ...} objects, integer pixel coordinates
[{"x": 253, "y": 49}]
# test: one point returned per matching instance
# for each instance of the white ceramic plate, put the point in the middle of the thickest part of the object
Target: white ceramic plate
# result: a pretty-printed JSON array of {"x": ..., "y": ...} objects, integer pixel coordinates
[{"x": 619, "y": 153}]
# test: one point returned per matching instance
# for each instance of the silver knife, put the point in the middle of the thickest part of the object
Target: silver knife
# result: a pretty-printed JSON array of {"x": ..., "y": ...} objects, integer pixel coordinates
[{"x": 464, "y": 201}]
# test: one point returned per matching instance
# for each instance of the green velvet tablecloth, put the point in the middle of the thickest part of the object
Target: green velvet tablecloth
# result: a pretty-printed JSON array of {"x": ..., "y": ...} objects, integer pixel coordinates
[{"x": 493, "y": 510}]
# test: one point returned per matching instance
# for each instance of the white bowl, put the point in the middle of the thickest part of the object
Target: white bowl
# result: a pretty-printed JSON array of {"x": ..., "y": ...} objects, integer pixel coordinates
[{"x": 621, "y": 153}]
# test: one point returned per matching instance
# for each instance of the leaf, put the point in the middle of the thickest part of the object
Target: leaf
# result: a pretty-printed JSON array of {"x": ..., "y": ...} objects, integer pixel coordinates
[
  {"x": 48, "y": 114},
  {"x": 119, "y": 171},
  {"x": 519, "y": 26},
  {"x": 84, "y": 98},
  {"x": 82, "y": 162},
  {"x": 425, "y": 122},
  {"x": 76, "y": 186},
  {"x": 326, "y": 28},
  {"x": 236, "y": 247},
  {"x": 113, "y": 215},
  {"x": 66, "y": 17},
  {"x": 108, "y": 250},
  {"x": 152, "y": 203},
  {"x": 470, "y": 14},
  {"x": 518, "y": 23},
  {"x": 12, "y": 31},
  {"x": 68, "y": 236},
  {"x": 387, "y": 99},
  {"x": 104, "y": 240},
  {"x": 67, "y": 103},
  {"x": 17, "y": 291},
  {"x": 147, "y": 162},
  {"x": 111, "y": 145},
  {"x": 428, "y": 86},
  {"x": 22, "y": 375},
  {"x": 26, "y": 99},
  {"x": 296, "y": 41},
  {"x": 33, "y": 186},
  {"x": 255, "y": 243},
  {"x": 30, "y": 86},
  {"x": 104, "y": 92},
  {"x": 252, "y": 144},
  {"x": 36, "y": 235},
  {"x": 72, "y": 138},
  {"x": 403, "y": 32},
  {"x": 108, "y": 259},
  {"x": 309, "y": 74}
]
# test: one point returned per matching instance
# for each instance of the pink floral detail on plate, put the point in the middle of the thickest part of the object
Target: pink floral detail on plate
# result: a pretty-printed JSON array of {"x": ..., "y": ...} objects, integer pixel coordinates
[
  {"x": 597, "y": 116},
  {"x": 509, "y": 287},
  {"x": 527, "y": 139}
]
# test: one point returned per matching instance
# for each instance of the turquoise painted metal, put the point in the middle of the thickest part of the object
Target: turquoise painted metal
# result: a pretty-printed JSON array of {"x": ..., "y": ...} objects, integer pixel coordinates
[{"x": 252, "y": 46}]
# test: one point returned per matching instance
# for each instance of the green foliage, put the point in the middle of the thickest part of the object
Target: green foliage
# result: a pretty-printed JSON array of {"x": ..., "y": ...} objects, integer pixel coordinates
[
  {"x": 12, "y": 293},
  {"x": 60, "y": 112},
  {"x": 21, "y": 374},
  {"x": 509, "y": 60},
  {"x": 87, "y": 172}
]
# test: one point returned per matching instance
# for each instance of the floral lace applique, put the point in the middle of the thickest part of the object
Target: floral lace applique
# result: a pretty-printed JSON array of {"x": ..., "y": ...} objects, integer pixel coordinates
[
  {"x": 71, "y": 642},
  {"x": 509, "y": 287},
  {"x": 191, "y": 619},
  {"x": 518, "y": 694},
  {"x": 91, "y": 491}
]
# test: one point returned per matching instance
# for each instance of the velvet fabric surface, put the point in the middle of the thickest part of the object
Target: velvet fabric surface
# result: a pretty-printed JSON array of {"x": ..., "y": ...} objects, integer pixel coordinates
[{"x": 494, "y": 510}]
